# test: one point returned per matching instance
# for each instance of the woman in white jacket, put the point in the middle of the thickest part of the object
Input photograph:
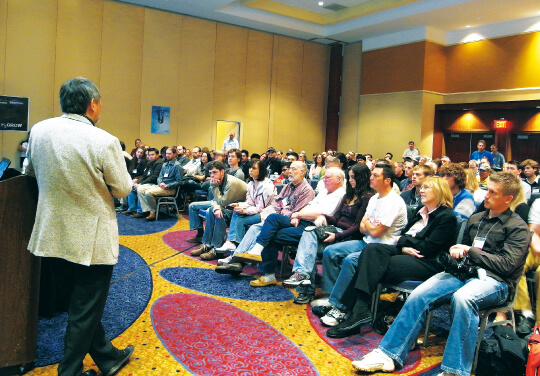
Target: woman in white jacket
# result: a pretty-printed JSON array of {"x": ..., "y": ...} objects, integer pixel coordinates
[{"x": 260, "y": 194}]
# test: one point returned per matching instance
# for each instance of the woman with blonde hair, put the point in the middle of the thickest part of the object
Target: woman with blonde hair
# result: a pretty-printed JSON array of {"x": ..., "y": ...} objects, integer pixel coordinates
[
  {"x": 471, "y": 183},
  {"x": 431, "y": 231}
]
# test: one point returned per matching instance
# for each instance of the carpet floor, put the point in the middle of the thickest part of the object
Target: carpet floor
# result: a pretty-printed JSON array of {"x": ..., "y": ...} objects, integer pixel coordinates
[{"x": 185, "y": 319}]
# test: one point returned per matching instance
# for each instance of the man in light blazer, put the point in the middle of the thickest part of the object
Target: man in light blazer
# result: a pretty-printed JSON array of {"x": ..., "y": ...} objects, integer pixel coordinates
[{"x": 80, "y": 169}]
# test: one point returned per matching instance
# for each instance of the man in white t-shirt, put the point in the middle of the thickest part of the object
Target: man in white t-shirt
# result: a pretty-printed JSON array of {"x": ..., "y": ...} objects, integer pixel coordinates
[
  {"x": 385, "y": 217},
  {"x": 525, "y": 319},
  {"x": 411, "y": 151}
]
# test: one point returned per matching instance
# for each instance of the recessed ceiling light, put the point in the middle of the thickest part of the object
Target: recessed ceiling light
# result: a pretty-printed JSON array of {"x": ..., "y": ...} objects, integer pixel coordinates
[
  {"x": 468, "y": 26},
  {"x": 321, "y": 3}
]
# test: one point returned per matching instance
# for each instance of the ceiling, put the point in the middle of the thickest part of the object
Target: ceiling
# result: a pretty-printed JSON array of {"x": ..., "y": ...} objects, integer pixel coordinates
[{"x": 354, "y": 20}]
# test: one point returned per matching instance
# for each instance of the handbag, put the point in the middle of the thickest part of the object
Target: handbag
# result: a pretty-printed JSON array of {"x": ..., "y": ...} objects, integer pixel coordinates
[{"x": 321, "y": 231}]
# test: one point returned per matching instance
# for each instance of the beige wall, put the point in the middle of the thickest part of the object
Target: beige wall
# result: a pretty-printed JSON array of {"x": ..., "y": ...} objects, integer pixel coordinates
[{"x": 205, "y": 71}]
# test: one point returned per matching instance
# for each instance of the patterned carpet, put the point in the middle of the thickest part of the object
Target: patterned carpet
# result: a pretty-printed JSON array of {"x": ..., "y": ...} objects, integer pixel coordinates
[{"x": 185, "y": 319}]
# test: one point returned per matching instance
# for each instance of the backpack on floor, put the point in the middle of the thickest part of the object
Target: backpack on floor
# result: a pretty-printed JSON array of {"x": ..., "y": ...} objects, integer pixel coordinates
[
  {"x": 503, "y": 354},
  {"x": 533, "y": 363}
]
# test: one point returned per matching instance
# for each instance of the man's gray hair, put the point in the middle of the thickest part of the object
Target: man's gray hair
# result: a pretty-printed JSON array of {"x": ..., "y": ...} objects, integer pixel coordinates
[
  {"x": 76, "y": 95},
  {"x": 336, "y": 171}
]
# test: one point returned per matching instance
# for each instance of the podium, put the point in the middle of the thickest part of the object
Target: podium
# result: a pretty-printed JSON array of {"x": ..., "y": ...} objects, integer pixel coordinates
[{"x": 19, "y": 272}]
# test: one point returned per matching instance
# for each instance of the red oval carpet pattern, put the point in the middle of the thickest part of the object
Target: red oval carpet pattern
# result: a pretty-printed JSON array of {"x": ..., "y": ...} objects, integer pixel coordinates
[{"x": 210, "y": 337}]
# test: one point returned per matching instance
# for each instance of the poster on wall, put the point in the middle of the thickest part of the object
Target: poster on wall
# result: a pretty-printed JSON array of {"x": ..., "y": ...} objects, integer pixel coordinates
[
  {"x": 14, "y": 113},
  {"x": 161, "y": 118}
]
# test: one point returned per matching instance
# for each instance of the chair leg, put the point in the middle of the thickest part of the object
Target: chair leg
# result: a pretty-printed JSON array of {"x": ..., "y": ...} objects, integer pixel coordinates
[
  {"x": 284, "y": 260},
  {"x": 426, "y": 330},
  {"x": 481, "y": 331},
  {"x": 375, "y": 301}
]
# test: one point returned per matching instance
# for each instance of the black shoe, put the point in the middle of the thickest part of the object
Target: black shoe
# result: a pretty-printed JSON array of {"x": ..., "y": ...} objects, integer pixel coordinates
[
  {"x": 197, "y": 240},
  {"x": 304, "y": 298},
  {"x": 124, "y": 358},
  {"x": 89, "y": 372},
  {"x": 350, "y": 326},
  {"x": 525, "y": 326},
  {"x": 138, "y": 215},
  {"x": 321, "y": 311},
  {"x": 231, "y": 268},
  {"x": 128, "y": 212}
]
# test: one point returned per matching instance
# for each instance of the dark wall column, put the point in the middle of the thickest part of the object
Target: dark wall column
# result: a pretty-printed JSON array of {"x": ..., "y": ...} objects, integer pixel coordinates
[{"x": 334, "y": 96}]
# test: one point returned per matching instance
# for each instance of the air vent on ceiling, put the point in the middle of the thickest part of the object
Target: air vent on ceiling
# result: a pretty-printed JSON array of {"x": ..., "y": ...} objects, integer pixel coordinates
[{"x": 335, "y": 7}]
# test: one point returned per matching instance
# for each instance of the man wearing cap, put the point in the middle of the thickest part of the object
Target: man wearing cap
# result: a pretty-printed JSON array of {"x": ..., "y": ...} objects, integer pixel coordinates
[{"x": 273, "y": 163}]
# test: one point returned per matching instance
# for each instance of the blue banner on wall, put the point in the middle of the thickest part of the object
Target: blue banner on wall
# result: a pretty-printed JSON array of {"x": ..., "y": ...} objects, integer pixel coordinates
[{"x": 14, "y": 113}]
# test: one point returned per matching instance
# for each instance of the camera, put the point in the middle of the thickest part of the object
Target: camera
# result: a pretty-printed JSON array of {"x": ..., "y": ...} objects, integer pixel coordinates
[{"x": 461, "y": 268}]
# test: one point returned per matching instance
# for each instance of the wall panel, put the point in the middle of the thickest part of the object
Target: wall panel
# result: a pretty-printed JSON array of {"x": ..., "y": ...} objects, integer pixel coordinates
[
  {"x": 230, "y": 75},
  {"x": 350, "y": 98},
  {"x": 501, "y": 63},
  {"x": 121, "y": 70},
  {"x": 288, "y": 94},
  {"x": 3, "y": 33},
  {"x": 393, "y": 69},
  {"x": 258, "y": 90},
  {"x": 197, "y": 59},
  {"x": 313, "y": 102},
  {"x": 78, "y": 42},
  {"x": 388, "y": 121},
  {"x": 160, "y": 73},
  {"x": 29, "y": 63}
]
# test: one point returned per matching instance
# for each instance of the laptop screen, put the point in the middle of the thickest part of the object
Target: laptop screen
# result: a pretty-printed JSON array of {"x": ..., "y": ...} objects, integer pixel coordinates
[{"x": 4, "y": 164}]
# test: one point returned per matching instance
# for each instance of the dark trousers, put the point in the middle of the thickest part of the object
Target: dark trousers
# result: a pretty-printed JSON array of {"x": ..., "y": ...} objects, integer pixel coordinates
[
  {"x": 381, "y": 262},
  {"x": 277, "y": 231},
  {"x": 84, "y": 332}
]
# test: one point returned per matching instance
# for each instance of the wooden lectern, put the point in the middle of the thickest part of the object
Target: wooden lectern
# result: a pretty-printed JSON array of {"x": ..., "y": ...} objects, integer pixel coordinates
[{"x": 19, "y": 272}]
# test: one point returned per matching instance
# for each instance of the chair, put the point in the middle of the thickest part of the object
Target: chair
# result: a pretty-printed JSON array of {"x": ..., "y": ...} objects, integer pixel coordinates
[
  {"x": 286, "y": 256},
  {"x": 167, "y": 201}
]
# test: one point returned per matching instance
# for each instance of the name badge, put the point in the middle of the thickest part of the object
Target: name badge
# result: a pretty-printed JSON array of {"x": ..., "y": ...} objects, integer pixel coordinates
[
  {"x": 148, "y": 173},
  {"x": 165, "y": 175},
  {"x": 134, "y": 170},
  {"x": 284, "y": 202},
  {"x": 479, "y": 242},
  {"x": 536, "y": 190}
]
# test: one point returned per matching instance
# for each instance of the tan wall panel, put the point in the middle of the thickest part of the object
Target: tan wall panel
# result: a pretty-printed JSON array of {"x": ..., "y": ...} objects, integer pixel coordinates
[
  {"x": 121, "y": 70},
  {"x": 435, "y": 68},
  {"x": 78, "y": 42},
  {"x": 161, "y": 73},
  {"x": 425, "y": 143},
  {"x": 393, "y": 69},
  {"x": 29, "y": 63},
  {"x": 350, "y": 98},
  {"x": 288, "y": 94},
  {"x": 230, "y": 75},
  {"x": 197, "y": 58},
  {"x": 501, "y": 63},
  {"x": 388, "y": 122},
  {"x": 312, "y": 129},
  {"x": 3, "y": 34},
  {"x": 255, "y": 128}
]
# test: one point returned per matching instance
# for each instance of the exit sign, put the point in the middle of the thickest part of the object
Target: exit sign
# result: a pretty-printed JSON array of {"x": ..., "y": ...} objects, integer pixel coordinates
[{"x": 501, "y": 124}]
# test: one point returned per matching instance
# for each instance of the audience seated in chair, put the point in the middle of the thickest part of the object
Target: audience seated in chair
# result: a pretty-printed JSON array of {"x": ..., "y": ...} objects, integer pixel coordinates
[
  {"x": 261, "y": 194},
  {"x": 495, "y": 241},
  {"x": 431, "y": 231},
  {"x": 148, "y": 178},
  {"x": 346, "y": 220},
  {"x": 385, "y": 217},
  {"x": 226, "y": 189},
  {"x": 169, "y": 179}
]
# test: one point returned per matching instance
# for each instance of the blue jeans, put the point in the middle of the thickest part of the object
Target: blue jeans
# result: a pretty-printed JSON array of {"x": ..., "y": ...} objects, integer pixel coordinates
[
  {"x": 306, "y": 255},
  {"x": 249, "y": 239},
  {"x": 340, "y": 263},
  {"x": 133, "y": 202},
  {"x": 195, "y": 222},
  {"x": 465, "y": 303},
  {"x": 215, "y": 230},
  {"x": 237, "y": 228}
]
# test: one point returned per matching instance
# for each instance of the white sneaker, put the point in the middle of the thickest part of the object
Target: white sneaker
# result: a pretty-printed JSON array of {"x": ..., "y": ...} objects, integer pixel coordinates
[
  {"x": 320, "y": 302},
  {"x": 224, "y": 261},
  {"x": 334, "y": 317},
  {"x": 445, "y": 373},
  {"x": 227, "y": 246},
  {"x": 375, "y": 361}
]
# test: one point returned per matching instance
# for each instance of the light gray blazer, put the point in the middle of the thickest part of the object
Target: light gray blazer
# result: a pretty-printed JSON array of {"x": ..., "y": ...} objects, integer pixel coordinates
[{"x": 79, "y": 169}]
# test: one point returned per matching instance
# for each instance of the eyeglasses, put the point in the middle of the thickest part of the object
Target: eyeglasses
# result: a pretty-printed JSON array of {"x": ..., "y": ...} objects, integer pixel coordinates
[{"x": 424, "y": 187}]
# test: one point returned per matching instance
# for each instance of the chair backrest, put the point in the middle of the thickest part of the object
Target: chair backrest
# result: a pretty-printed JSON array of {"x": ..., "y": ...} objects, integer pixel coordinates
[{"x": 461, "y": 226}]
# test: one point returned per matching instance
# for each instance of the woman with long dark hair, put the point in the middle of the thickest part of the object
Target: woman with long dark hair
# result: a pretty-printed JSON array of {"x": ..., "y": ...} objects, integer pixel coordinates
[
  {"x": 316, "y": 167},
  {"x": 260, "y": 194},
  {"x": 346, "y": 221}
]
